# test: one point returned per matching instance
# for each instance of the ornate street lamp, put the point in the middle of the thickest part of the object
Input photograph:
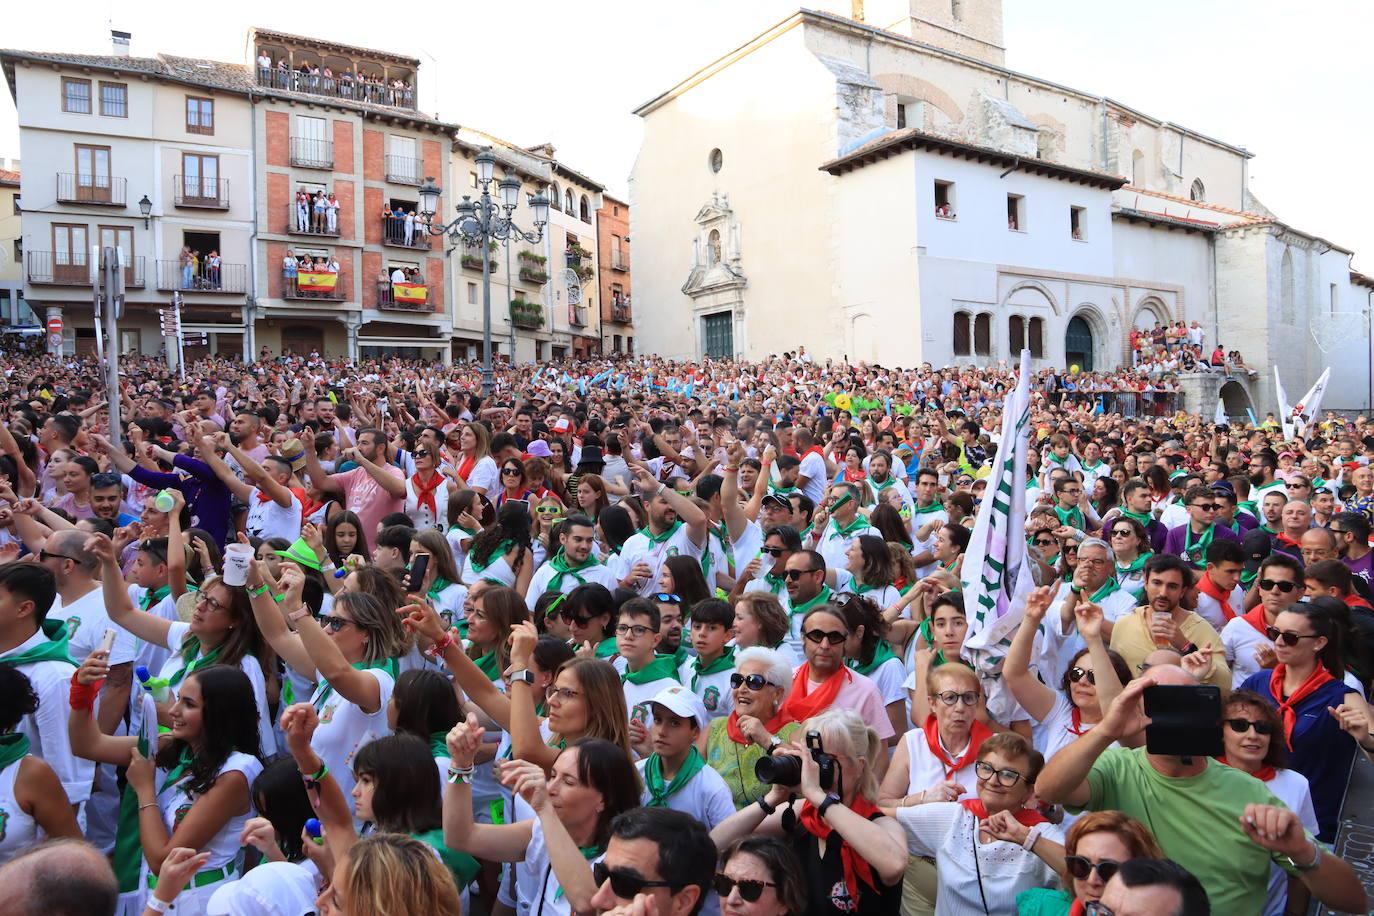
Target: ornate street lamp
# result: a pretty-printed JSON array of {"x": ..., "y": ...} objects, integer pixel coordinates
[{"x": 480, "y": 222}]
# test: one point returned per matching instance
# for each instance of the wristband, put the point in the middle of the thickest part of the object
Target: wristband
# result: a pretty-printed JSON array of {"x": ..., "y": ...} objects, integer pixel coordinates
[
  {"x": 460, "y": 775},
  {"x": 82, "y": 696},
  {"x": 298, "y": 613},
  {"x": 156, "y": 905},
  {"x": 318, "y": 775},
  {"x": 767, "y": 808},
  {"x": 830, "y": 800},
  {"x": 255, "y": 592},
  {"x": 437, "y": 650},
  {"x": 1031, "y": 836}
]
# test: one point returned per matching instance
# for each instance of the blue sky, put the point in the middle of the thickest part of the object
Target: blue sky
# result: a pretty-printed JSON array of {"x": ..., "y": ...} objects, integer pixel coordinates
[{"x": 1288, "y": 81}]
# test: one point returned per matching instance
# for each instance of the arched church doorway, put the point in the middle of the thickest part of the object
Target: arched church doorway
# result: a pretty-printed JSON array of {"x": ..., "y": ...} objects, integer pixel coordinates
[{"x": 1078, "y": 344}]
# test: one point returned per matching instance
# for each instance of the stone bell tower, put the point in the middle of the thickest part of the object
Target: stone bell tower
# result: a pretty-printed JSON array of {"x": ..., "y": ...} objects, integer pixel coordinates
[{"x": 969, "y": 27}]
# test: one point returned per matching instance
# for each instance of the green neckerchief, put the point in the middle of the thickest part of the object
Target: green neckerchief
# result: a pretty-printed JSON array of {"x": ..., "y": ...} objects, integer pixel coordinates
[
  {"x": 1135, "y": 565},
  {"x": 562, "y": 570},
  {"x": 490, "y": 665},
  {"x": 12, "y": 747},
  {"x": 845, "y": 531},
  {"x": 1267, "y": 530},
  {"x": 822, "y": 596},
  {"x": 606, "y": 648},
  {"x": 782, "y": 491},
  {"x": 1090, "y": 467},
  {"x": 1143, "y": 517},
  {"x": 1249, "y": 506},
  {"x": 438, "y": 744},
  {"x": 194, "y": 660},
  {"x": 151, "y": 598},
  {"x": 588, "y": 853},
  {"x": 935, "y": 506},
  {"x": 437, "y": 587},
  {"x": 53, "y": 650},
  {"x": 1235, "y": 525},
  {"x": 1203, "y": 542},
  {"x": 882, "y": 653},
  {"x": 462, "y": 866},
  {"x": 387, "y": 664},
  {"x": 653, "y": 777},
  {"x": 680, "y": 655},
  {"x": 723, "y": 536},
  {"x": 128, "y": 848},
  {"x": 501, "y": 550},
  {"x": 1111, "y": 586},
  {"x": 939, "y": 658},
  {"x": 1247, "y": 577},
  {"x": 775, "y": 583},
  {"x": 1071, "y": 517},
  {"x": 656, "y": 539},
  {"x": 884, "y": 485},
  {"x": 1055, "y": 459},
  {"x": 177, "y": 772},
  {"x": 660, "y": 668},
  {"x": 724, "y": 663}
]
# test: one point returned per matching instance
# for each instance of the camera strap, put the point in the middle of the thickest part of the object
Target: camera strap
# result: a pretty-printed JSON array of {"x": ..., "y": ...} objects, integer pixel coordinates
[{"x": 978, "y": 870}]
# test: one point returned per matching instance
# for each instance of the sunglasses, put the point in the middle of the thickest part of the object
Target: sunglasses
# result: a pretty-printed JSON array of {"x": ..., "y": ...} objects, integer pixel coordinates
[
  {"x": 1122, "y": 533},
  {"x": 1287, "y": 638},
  {"x": 624, "y": 885},
  {"x": 1080, "y": 868},
  {"x": 665, "y": 598},
  {"x": 548, "y": 510},
  {"x": 512, "y": 472},
  {"x": 1077, "y": 674},
  {"x": 45, "y": 555},
  {"x": 826, "y": 636},
  {"x": 749, "y": 889},
  {"x": 950, "y": 697},
  {"x": 795, "y": 574},
  {"x": 1241, "y": 726},
  {"x": 752, "y": 681},
  {"x": 1206, "y": 507},
  {"x": 774, "y": 551},
  {"x": 1268, "y": 585},
  {"x": 333, "y": 624},
  {"x": 421, "y": 453}
]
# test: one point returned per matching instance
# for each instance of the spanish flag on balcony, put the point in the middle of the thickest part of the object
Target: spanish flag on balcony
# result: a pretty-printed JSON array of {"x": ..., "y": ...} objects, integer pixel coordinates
[
  {"x": 410, "y": 292},
  {"x": 317, "y": 281}
]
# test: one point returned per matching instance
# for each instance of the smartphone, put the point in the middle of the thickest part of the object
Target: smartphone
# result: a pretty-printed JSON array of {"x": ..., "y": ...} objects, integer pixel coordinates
[
  {"x": 1185, "y": 720},
  {"x": 418, "y": 567},
  {"x": 106, "y": 642}
]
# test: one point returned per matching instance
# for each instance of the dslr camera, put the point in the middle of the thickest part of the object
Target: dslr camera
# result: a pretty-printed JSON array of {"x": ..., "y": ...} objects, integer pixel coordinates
[{"x": 786, "y": 769}]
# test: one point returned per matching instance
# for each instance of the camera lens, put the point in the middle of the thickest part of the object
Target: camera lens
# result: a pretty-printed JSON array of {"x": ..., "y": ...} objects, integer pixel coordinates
[{"x": 779, "y": 770}]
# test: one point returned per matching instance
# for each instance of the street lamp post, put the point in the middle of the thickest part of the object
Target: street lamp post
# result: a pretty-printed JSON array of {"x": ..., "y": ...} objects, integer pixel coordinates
[{"x": 481, "y": 222}]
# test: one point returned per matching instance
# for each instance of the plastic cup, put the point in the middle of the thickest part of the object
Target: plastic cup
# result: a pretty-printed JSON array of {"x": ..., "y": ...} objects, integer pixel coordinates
[{"x": 236, "y": 560}]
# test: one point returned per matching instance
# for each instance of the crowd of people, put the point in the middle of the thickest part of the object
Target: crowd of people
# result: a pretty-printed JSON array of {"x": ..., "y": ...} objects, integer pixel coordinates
[
  {"x": 345, "y": 84},
  {"x": 317, "y": 212},
  {"x": 644, "y": 638}
]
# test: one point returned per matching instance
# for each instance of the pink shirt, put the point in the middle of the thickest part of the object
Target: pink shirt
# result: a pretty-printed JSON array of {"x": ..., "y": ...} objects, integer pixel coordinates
[
  {"x": 861, "y": 695},
  {"x": 365, "y": 496}
]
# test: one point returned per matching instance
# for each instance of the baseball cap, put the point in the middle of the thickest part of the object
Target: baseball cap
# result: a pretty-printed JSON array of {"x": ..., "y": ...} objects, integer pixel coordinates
[
  {"x": 561, "y": 425},
  {"x": 775, "y": 499},
  {"x": 683, "y": 703}
]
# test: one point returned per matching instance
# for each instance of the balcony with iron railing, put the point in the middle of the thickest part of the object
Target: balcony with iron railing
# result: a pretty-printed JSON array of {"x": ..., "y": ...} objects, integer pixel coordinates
[
  {"x": 403, "y": 169},
  {"x": 533, "y": 274},
  {"x": 525, "y": 314},
  {"x": 397, "y": 234},
  {"x": 201, "y": 192},
  {"x": 86, "y": 188},
  {"x": 577, "y": 316},
  {"x": 304, "y": 288},
  {"x": 342, "y": 86},
  {"x": 620, "y": 310},
  {"x": 619, "y": 260},
  {"x": 73, "y": 269},
  {"x": 202, "y": 277},
  {"x": 403, "y": 297},
  {"x": 304, "y": 220},
  {"x": 471, "y": 259},
  {"x": 310, "y": 153}
]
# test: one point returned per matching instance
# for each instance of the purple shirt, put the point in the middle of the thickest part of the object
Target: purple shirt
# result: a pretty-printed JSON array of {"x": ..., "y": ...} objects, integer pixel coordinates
[
  {"x": 1363, "y": 567},
  {"x": 207, "y": 498},
  {"x": 1177, "y": 539}
]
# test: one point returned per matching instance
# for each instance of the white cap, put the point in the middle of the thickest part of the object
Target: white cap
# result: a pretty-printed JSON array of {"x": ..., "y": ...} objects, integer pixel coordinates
[
  {"x": 272, "y": 889},
  {"x": 683, "y": 703}
]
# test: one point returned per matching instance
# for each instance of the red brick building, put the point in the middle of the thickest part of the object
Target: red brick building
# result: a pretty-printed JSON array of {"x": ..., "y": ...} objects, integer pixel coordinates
[{"x": 613, "y": 236}]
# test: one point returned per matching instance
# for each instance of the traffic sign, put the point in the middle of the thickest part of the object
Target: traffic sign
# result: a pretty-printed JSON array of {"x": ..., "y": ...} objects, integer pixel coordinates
[
  {"x": 55, "y": 340},
  {"x": 55, "y": 325}
]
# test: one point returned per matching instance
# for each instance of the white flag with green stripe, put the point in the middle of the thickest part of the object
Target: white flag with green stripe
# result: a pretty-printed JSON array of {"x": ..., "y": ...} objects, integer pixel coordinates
[{"x": 996, "y": 573}]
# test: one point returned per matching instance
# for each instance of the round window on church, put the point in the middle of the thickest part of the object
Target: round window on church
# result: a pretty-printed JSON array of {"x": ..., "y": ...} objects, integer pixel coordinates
[{"x": 716, "y": 160}]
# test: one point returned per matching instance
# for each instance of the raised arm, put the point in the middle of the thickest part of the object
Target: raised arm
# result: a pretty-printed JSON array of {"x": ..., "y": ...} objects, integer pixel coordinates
[
  {"x": 736, "y": 518},
  {"x": 1036, "y": 698},
  {"x": 526, "y": 741},
  {"x": 83, "y": 732},
  {"x": 205, "y": 448},
  {"x": 420, "y": 618},
  {"x": 176, "y": 547},
  {"x": 318, "y": 477},
  {"x": 27, "y": 481},
  {"x": 688, "y": 512},
  {"x": 147, "y": 627},
  {"x": 1065, "y": 777},
  {"x": 500, "y": 843},
  {"x": 395, "y": 486},
  {"x": 298, "y": 723},
  {"x": 271, "y": 619}
]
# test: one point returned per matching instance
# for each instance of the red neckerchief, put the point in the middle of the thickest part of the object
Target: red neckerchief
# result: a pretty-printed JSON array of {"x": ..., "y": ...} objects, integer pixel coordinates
[
  {"x": 1078, "y": 909},
  {"x": 855, "y": 868},
  {"x": 1076, "y": 722},
  {"x": 977, "y": 735},
  {"x": 1027, "y": 817},
  {"x": 1257, "y": 620},
  {"x": 1213, "y": 591},
  {"x": 1285, "y": 539},
  {"x": 1354, "y": 600},
  {"x": 1314, "y": 682},
  {"x": 813, "y": 450},
  {"x": 1263, "y": 774},
  {"x": 855, "y": 476},
  {"x": 803, "y": 703},
  {"x": 773, "y": 725},
  {"x": 424, "y": 492},
  {"x": 465, "y": 468}
]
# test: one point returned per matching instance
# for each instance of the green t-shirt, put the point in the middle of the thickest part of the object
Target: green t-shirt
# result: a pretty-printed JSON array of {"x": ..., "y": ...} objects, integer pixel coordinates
[
  {"x": 1196, "y": 820},
  {"x": 1043, "y": 901}
]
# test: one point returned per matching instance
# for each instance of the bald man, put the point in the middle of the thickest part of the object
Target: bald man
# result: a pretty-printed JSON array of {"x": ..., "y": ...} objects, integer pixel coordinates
[
  {"x": 1295, "y": 518},
  {"x": 1318, "y": 544},
  {"x": 59, "y": 878}
]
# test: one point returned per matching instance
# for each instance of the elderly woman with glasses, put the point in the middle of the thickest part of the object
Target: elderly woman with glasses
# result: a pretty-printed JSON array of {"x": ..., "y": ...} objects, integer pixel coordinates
[
  {"x": 1096, "y": 846},
  {"x": 756, "y": 725},
  {"x": 992, "y": 847}
]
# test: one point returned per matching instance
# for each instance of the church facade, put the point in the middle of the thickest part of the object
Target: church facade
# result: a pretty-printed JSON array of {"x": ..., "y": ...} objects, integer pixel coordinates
[{"x": 879, "y": 187}]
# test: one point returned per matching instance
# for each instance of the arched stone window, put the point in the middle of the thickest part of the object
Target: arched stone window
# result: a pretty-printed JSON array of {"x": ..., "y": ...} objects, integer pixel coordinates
[
  {"x": 1197, "y": 192},
  {"x": 585, "y": 210},
  {"x": 569, "y": 203},
  {"x": 1016, "y": 334},
  {"x": 1037, "y": 338},
  {"x": 556, "y": 197},
  {"x": 961, "y": 334}
]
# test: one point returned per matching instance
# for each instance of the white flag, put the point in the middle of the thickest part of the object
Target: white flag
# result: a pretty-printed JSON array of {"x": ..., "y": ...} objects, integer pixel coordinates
[
  {"x": 1304, "y": 413},
  {"x": 1283, "y": 404},
  {"x": 996, "y": 573},
  {"x": 1220, "y": 419}
]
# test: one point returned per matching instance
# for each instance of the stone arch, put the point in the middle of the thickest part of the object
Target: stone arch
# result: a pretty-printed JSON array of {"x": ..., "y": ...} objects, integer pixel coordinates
[
  {"x": 1099, "y": 328},
  {"x": 1235, "y": 399},
  {"x": 916, "y": 88},
  {"x": 1151, "y": 305},
  {"x": 1035, "y": 286}
]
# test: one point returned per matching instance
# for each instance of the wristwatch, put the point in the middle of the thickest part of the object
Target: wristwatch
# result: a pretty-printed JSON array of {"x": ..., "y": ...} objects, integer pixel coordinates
[
  {"x": 524, "y": 675},
  {"x": 831, "y": 799}
]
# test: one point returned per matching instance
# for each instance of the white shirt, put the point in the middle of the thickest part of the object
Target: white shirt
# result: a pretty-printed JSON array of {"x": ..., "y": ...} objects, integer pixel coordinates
[
  {"x": 1292, "y": 789},
  {"x": 638, "y": 549},
  {"x": 926, "y": 771},
  {"x": 87, "y": 621},
  {"x": 813, "y": 469},
  {"x": 47, "y": 726},
  {"x": 835, "y": 547},
  {"x": 177, "y": 634},
  {"x": 1239, "y": 641},
  {"x": 21, "y": 830},
  {"x": 706, "y": 796},
  {"x": 269, "y": 519},
  {"x": 484, "y": 475},
  {"x": 1210, "y": 610},
  {"x": 948, "y": 831},
  {"x": 884, "y": 597},
  {"x": 539, "y": 582},
  {"x": 344, "y": 728}
]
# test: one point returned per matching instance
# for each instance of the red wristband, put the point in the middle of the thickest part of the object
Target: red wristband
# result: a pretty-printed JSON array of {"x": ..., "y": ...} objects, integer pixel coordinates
[{"x": 82, "y": 696}]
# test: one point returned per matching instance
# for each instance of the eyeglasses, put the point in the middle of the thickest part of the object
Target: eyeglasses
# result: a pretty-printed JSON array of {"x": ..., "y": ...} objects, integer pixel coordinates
[
  {"x": 1241, "y": 726},
  {"x": 1077, "y": 674},
  {"x": 512, "y": 472},
  {"x": 950, "y": 697},
  {"x": 332, "y": 623},
  {"x": 44, "y": 555},
  {"x": 1123, "y": 533},
  {"x": 1096, "y": 908},
  {"x": 752, "y": 681},
  {"x": 632, "y": 629},
  {"x": 213, "y": 604},
  {"x": 1268, "y": 585},
  {"x": 750, "y": 889},
  {"x": 1006, "y": 778},
  {"x": 774, "y": 551},
  {"x": 826, "y": 636},
  {"x": 1043, "y": 542},
  {"x": 1093, "y": 562},
  {"x": 1206, "y": 507},
  {"x": 1080, "y": 867},
  {"x": 421, "y": 453},
  {"x": 564, "y": 694},
  {"x": 1286, "y": 637},
  {"x": 666, "y": 598},
  {"x": 795, "y": 574},
  {"x": 548, "y": 510},
  {"x": 624, "y": 884}
]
